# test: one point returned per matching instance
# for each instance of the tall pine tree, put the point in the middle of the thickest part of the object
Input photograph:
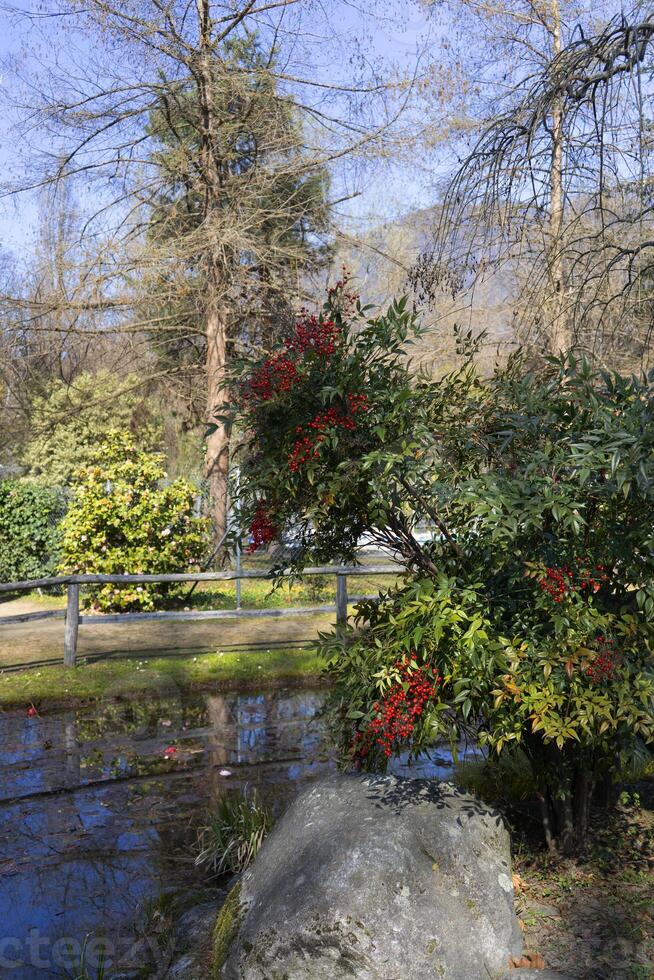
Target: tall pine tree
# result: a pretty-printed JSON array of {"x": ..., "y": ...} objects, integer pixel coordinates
[{"x": 269, "y": 221}]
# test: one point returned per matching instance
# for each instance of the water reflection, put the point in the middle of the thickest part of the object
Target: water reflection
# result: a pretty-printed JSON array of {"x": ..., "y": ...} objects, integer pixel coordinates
[{"x": 95, "y": 802}]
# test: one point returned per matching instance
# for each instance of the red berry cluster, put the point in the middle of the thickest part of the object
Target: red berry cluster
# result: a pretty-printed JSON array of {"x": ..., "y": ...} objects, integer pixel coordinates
[
  {"x": 338, "y": 292},
  {"x": 313, "y": 336},
  {"x": 275, "y": 376},
  {"x": 303, "y": 450},
  {"x": 559, "y": 581},
  {"x": 603, "y": 666},
  {"x": 398, "y": 712},
  {"x": 357, "y": 403},
  {"x": 331, "y": 419},
  {"x": 279, "y": 373},
  {"x": 556, "y": 582},
  {"x": 262, "y": 528},
  {"x": 306, "y": 444}
]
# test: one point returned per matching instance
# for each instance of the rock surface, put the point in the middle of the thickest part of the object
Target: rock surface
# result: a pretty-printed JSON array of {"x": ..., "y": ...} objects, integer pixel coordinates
[
  {"x": 527, "y": 974},
  {"x": 376, "y": 879},
  {"x": 190, "y": 940},
  {"x": 192, "y": 928}
]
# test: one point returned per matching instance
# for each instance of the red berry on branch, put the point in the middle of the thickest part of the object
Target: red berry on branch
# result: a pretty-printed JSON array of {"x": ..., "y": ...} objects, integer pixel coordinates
[
  {"x": 276, "y": 375},
  {"x": 396, "y": 714},
  {"x": 305, "y": 447},
  {"x": 313, "y": 336},
  {"x": 604, "y": 665},
  {"x": 262, "y": 529}
]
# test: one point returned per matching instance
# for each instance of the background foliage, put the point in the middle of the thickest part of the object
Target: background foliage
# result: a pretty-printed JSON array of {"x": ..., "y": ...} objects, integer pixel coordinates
[{"x": 69, "y": 422}]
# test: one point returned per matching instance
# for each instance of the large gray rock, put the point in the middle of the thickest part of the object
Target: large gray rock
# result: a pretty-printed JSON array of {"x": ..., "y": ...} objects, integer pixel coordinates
[
  {"x": 378, "y": 879},
  {"x": 526, "y": 973},
  {"x": 192, "y": 939}
]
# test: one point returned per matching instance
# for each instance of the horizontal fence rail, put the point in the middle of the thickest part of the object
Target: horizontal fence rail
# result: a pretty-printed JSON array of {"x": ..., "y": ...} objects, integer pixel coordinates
[
  {"x": 196, "y": 576},
  {"x": 73, "y": 619}
]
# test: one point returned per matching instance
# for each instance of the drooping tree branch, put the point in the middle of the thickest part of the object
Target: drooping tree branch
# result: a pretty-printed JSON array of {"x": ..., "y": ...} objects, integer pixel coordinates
[{"x": 499, "y": 208}]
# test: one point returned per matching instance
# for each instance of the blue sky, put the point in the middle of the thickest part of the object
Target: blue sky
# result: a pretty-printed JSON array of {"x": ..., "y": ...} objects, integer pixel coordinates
[{"x": 394, "y": 34}]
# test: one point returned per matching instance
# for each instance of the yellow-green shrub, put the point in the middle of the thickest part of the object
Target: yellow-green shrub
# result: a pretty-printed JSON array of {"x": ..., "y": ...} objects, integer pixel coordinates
[{"x": 124, "y": 519}]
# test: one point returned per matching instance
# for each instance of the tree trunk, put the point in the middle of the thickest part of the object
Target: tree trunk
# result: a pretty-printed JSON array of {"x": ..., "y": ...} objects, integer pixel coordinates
[
  {"x": 565, "y": 781},
  {"x": 217, "y": 443},
  {"x": 564, "y": 813},
  {"x": 559, "y": 333},
  {"x": 213, "y": 173},
  {"x": 566, "y": 836},
  {"x": 583, "y": 787}
]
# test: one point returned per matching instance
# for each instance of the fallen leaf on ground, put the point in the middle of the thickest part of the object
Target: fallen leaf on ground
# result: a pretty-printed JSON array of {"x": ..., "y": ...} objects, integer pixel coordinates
[{"x": 528, "y": 961}]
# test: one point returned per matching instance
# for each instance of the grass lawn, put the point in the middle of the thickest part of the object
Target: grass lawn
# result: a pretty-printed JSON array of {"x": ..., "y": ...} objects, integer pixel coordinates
[{"x": 134, "y": 677}]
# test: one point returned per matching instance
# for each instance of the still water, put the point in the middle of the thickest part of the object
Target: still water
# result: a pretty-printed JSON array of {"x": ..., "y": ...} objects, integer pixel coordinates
[{"x": 97, "y": 807}]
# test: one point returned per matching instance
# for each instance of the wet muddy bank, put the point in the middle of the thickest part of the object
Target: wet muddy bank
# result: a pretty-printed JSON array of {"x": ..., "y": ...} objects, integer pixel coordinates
[{"x": 49, "y": 706}]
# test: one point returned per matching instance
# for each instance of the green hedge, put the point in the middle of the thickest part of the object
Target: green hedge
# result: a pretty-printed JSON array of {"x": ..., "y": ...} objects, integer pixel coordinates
[{"x": 29, "y": 530}]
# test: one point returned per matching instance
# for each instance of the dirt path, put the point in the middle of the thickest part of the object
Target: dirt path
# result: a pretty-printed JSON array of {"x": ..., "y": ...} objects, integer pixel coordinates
[{"x": 42, "y": 641}]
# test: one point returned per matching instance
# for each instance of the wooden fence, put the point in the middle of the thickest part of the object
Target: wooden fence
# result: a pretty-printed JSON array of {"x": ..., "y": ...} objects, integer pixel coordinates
[{"x": 73, "y": 619}]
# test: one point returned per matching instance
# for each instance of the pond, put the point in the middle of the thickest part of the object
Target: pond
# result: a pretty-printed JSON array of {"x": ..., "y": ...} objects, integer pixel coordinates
[{"x": 97, "y": 807}]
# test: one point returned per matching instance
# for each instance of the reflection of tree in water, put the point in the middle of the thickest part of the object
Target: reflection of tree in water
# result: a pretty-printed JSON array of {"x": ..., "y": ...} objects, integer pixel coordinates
[
  {"x": 271, "y": 726},
  {"x": 219, "y": 718},
  {"x": 136, "y": 718},
  {"x": 72, "y": 758},
  {"x": 84, "y": 857},
  {"x": 38, "y": 754},
  {"x": 82, "y": 863},
  {"x": 239, "y": 725}
]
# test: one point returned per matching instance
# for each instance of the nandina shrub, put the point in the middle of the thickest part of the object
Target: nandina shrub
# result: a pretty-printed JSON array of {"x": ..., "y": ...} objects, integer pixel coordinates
[
  {"x": 529, "y": 610},
  {"x": 310, "y": 407},
  {"x": 123, "y": 518},
  {"x": 530, "y": 672}
]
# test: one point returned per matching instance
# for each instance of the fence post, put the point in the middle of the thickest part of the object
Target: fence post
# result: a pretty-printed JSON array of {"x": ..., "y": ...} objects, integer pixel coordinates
[
  {"x": 341, "y": 599},
  {"x": 238, "y": 572},
  {"x": 72, "y": 625}
]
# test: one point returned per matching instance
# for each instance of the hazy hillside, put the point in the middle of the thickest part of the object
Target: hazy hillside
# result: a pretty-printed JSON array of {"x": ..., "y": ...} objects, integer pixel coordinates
[{"x": 380, "y": 261}]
